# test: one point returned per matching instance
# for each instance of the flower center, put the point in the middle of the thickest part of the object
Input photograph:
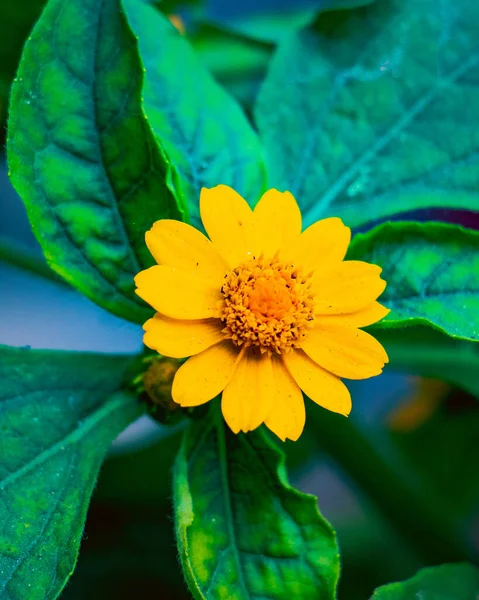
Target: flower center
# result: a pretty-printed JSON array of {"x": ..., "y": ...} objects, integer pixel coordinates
[{"x": 267, "y": 304}]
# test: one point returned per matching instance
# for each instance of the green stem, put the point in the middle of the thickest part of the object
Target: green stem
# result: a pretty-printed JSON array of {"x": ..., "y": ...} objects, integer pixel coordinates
[
  {"x": 19, "y": 256},
  {"x": 416, "y": 515}
]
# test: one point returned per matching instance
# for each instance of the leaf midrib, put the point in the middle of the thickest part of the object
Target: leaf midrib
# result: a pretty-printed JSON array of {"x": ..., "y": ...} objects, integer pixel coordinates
[
  {"x": 116, "y": 209},
  {"x": 338, "y": 186},
  {"x": 134, "y": 301},
  {"x": 228, "y": 499}
]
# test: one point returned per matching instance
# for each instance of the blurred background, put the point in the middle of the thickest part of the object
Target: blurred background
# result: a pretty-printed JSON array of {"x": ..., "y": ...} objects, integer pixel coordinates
[{"x": 421, "y": 432}]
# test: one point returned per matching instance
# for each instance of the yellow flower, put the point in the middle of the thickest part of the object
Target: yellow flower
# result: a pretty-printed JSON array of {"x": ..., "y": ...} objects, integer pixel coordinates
[{"x": 264, "y": 310}]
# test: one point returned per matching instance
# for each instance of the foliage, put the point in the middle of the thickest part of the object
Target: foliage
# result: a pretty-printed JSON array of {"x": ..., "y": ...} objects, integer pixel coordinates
[
  {"x": 377, "y": 112},
  {"x": 247, "y": 530},
  {"x": 116, "y": 121},
  {"x": 448, "y": 581},
  {"x": 206, "y": 135},
  {"x": 90, "y": 201},
  {"x": 58, "y": 414},
  {"x": 432, "y": 270}
]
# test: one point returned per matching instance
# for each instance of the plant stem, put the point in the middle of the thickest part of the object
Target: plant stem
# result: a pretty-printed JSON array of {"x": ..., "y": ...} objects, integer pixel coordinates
[
  {"x": 416, "y": 515},
  {"x": 20, "y": 256}
]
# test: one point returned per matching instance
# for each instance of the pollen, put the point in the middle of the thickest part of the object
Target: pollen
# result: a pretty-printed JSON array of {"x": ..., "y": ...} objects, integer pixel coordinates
[{"x": 267, "y": 304}]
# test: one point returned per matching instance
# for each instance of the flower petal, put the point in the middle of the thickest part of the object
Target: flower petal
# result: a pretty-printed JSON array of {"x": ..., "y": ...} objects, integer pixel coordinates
[
  {"x": 205, "y": 375},
  {"x": 277, "y": 222},
  {"x": 179, "y": 339},
  {"x": 249, "y": 396},
  {"x": 349, "y": 287},
  {"x": 228, "y": 221},
  {"x": 288, "y": 416},
  {"x": 321, "y": 246},
  {"x": 322, "y": 387},
  {"x": 178, "y": 294},
  {"x": 372, "y": 313},
  {"x": 345, "y": 351},
  {"x": 180, "y": 245}
]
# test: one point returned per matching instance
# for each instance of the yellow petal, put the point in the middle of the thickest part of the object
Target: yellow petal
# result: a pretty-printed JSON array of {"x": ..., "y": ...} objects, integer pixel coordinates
[
  {"x": 322, "y": 387},
  {"x": 179, "y": 339},
  {"x": 249, "y": 396},
  {"x": 205, "y": 375},
  {"x": 180, "y": 245},
  {"x": 288, "y": 416},
  {"x": 228, "y": 221},
  {"x": 349, "y": 287},
  {"x": 178, "y": 294},
  {"x": 362, "y": 318},
  {"x": 321, "y": 246},
  {"x": 345, "y": 351},
  {"x": 277, "y": 221}
]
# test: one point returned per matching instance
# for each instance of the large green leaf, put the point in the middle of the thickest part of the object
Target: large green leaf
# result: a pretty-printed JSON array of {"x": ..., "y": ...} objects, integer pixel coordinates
[
  {"x": 81, "y": 153},
  {"x": 432, "y": 274},
  {"x": 374, "y": 111},
  {"x": 59, "y": 411},
  {"x": 447, "y": 582},
  {"x": 203, "y": 130},
  {"x": 243, "y": 532},
  {"x": 421, "y": 350}
]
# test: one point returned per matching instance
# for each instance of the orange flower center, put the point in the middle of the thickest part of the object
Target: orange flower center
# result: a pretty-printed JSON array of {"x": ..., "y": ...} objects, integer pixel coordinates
[{"x": 267, "y": 304}]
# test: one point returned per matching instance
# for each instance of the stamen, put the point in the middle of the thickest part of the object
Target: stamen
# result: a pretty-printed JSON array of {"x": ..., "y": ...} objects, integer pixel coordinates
[{"x": 267, "y": 304}]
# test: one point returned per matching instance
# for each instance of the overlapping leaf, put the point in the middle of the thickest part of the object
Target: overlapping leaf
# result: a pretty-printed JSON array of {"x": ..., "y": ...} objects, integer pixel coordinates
[
  {"x": 432, "y": 274},
  {"x": 203, "y": 130},
  {"x": 59, "y": 412},
  {"x": 241, "y": 528},
  {"x": 81, "y": 153},
  {"x": 446, "y": 582},
  {"x": 373, "y": 111}
]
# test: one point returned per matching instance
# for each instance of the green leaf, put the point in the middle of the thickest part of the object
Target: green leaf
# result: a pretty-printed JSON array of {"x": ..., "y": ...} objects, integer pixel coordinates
[
  {"x": 446, "y": 582},
  {"x": 369, "y": 112},
  {"x": 202, "y": 129},
  {"x": 58, "y": 414},
  {"x": 82, "y": 155},
  {"x": 424, "y": 351},
  {"x": 432, "y": 274},
  {"x": 241, "y": 526}
]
